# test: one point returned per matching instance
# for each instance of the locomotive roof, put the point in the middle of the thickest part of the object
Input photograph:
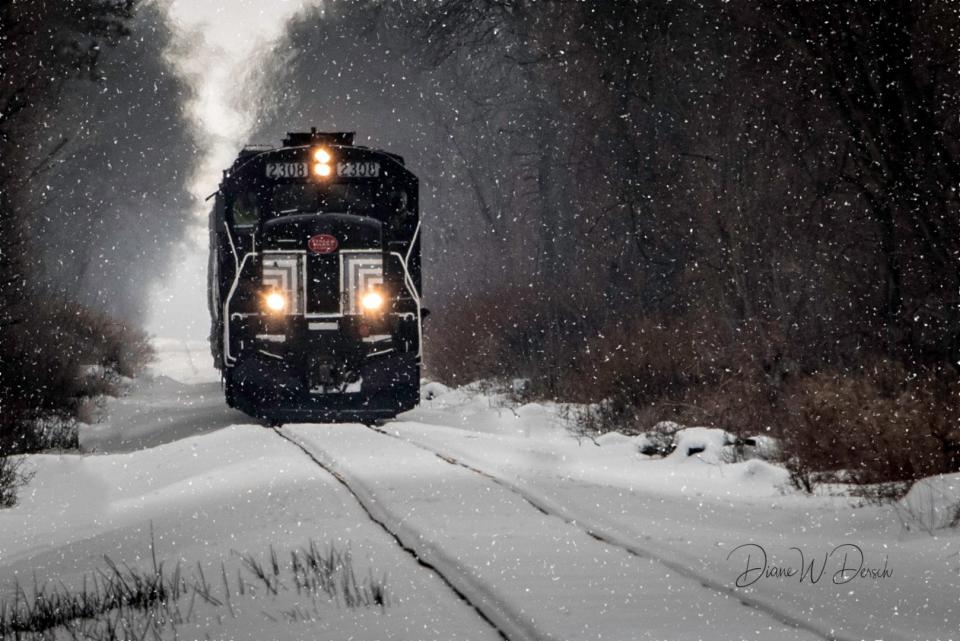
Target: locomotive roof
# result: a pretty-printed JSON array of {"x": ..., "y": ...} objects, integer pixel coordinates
[{"x": 314, "y": 137}]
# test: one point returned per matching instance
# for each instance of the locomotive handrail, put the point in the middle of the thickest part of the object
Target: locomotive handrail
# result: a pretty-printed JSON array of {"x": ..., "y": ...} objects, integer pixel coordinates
[
  {"x": 226, "y": 309},
  {"x": 411, "y": 287},
  {"x": 233, "y": 248}
]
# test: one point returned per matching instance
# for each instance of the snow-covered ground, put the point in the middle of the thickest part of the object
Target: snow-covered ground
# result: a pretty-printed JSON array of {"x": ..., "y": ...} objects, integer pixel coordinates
[
  {"x": 484, "y": 520},
  {"x": 707, "y": 517}
]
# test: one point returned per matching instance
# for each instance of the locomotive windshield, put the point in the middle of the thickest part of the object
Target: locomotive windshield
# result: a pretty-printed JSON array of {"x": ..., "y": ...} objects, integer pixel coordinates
[
  {"x": 353, "y": 197},
  {"x": 246, "y": 208}
]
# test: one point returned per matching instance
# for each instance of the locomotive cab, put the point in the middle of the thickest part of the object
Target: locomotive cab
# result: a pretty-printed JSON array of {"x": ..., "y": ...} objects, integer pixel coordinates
[{"x": 314, "y": 281}]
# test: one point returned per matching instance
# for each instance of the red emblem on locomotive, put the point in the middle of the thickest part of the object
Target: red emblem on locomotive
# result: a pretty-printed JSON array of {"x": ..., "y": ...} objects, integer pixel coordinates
[{"x": 322, "y": 244}]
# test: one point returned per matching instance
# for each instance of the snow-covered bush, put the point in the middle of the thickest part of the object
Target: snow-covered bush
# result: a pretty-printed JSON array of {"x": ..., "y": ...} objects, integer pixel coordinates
[
  {"x": 708, "y": 444},
  {"x": 660, "y": 440}
]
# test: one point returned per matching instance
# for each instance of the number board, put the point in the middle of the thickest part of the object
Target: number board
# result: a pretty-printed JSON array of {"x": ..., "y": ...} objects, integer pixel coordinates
[
  {"x": 369, "y": 169},
  {"x": 277, "y": 170}
]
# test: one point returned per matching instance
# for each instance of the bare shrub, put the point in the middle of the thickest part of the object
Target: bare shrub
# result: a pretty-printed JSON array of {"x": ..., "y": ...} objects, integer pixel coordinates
[
  {"x": 11, "y": 479},
  {"x": 511, "y": 333},
  {"x": 691, "y": 369},
  {"x": 879, "y": 424},
  {"x": 463, "y": 340},
  {"x": 882, "y": 425},
  {"x": 53, "y": 433},
  {"x": 53, "y": 364},
  {"x": 116, "y": 346},
  {"x": 630, "y": 373},
  {"x": 615, "y": 414},
  {"x": 120, "y": 601}
]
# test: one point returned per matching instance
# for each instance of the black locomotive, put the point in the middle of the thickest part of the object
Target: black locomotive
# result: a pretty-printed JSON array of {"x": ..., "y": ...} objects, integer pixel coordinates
[{"x": 314, "y": 281}]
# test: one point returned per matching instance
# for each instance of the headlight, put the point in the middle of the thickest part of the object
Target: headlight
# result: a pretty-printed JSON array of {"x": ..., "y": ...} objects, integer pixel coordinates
[
  {"x": 322, "y": 159},
  {"x": 275, "y": 302},
  {"x": 372, "y": 301}
]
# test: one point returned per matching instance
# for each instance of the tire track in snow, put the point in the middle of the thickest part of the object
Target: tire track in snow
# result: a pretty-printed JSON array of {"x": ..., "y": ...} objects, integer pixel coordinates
[
  {"x": 507, "y": 625},
  {"x": 549, "y": 507}
]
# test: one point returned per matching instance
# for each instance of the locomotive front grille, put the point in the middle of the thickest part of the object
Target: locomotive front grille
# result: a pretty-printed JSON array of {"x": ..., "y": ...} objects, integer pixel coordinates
[
  {"x": 283, "y": 272},
  {"x": 323, "y": 285},
  {"x": 360, "y": 270}
]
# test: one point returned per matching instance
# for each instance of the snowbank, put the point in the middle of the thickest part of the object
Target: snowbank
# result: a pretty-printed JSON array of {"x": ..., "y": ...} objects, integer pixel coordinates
[{"x": 931, "y": 504}]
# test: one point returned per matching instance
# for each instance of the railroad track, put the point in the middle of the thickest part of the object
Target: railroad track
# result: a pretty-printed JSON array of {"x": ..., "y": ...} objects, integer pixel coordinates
[
  {"x": 506, "y": 623},
  {"x": 507, "y": 620},
  {"x": 605, "y": 535}
]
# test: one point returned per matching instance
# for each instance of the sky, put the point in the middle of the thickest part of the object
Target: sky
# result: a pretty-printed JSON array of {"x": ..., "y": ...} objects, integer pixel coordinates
[{"x": 232, "y": 32}]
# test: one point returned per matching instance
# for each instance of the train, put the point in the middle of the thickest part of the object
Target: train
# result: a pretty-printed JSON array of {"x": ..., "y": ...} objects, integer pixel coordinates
[{"x": 314, "y": 281}]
